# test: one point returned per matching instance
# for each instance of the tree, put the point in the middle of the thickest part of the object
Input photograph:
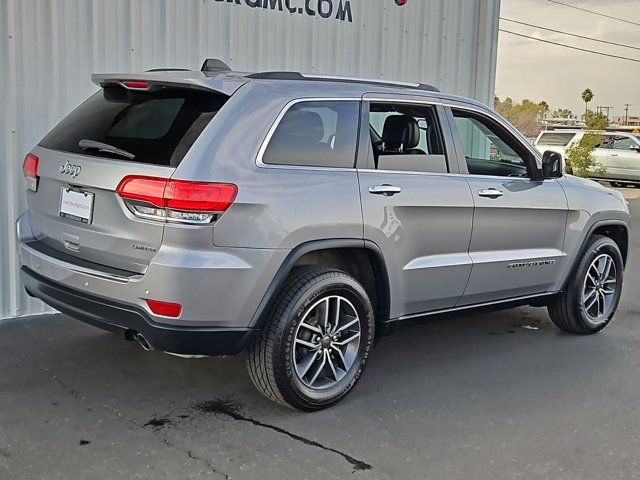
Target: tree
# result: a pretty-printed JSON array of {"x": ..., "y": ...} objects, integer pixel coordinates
[
  {"x": 526, "y": 116},
  {"x": 587, "y": 96},
  {"x": 562, "y": 113},
  {"x": 595, "y": 121},
  {"x": 545, "y": 108},
  {"x": 579, "y": 158}
]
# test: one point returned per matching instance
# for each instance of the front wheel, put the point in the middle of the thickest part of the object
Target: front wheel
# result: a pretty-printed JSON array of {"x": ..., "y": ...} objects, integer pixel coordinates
[
  {"x": 315, "y": 345},
  {"x": 591, "y": 296}
]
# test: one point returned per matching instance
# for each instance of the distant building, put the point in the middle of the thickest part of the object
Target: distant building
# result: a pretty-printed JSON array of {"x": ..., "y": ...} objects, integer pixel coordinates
[{"x": 632, "y": 121}]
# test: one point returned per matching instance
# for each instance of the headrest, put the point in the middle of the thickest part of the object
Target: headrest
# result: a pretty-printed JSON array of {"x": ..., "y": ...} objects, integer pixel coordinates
[
  {"x": 298, "y": 122},
  {"x": 400, "y": 130}
]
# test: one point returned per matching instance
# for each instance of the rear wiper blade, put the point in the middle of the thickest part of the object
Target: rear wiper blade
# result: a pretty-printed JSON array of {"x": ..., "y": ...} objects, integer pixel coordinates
[{"x": 104, "y": 147}]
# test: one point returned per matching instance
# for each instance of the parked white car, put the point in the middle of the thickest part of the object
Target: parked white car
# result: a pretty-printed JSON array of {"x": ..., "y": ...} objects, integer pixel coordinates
[{"x": 619, "y": 153}]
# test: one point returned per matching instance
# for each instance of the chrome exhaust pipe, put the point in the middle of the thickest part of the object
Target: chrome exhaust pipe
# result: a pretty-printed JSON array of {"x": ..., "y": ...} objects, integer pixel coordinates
[{"x": 143, "y": 342}]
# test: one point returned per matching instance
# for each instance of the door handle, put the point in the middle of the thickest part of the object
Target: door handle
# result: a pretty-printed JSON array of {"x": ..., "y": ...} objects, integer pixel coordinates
[
  {"x": 613, "y": 154},
  {"x": 385, "y": 189},
  {"x": 490, "y": 193}
]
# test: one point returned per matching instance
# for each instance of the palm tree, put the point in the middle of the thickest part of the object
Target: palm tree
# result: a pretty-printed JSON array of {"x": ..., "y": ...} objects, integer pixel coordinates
[
  {"x": 587, "y": 96},
  {"x": 544, "y": 106}
]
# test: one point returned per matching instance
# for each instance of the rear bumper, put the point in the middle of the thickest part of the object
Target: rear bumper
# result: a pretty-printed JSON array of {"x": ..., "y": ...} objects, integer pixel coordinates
[
  {"x": 218, "y": 288},
  {"x": 115, "y": 316}
]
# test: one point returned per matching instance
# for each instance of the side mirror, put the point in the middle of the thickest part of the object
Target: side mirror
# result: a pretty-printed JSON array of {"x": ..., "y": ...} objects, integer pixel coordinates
[
  {"x": 635, "y": 148},
  {"x": 551, "y": 165}
]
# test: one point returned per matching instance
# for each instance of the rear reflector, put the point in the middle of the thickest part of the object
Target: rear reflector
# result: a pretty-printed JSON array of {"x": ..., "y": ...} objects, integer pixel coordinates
[
  {"x": 165, "y": 309},
  {"x": 176, "y": 200},
  {"x": 30, "y": 171},
  {"x": 136, "y": 84}
]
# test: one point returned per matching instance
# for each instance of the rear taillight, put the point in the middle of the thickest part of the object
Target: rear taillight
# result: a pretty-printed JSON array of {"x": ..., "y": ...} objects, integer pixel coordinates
[
  {"x": 176, "y": 200},
  {"x": 30, "y": 171}
]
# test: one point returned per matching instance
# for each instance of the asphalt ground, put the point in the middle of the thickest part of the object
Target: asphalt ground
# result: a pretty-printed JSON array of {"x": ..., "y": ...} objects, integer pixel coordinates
[{"x": 501, "y": 395}]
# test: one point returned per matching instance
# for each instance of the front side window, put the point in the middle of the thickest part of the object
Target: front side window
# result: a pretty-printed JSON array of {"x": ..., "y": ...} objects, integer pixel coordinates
[
  {"x": 316, "y": 134},
  {"x": 489, "y": 150},
  {"x": 623, "y": 143}
]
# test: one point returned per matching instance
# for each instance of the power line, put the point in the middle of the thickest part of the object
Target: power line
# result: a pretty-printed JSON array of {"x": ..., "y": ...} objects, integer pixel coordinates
[
  {"x": 571, "y": 47},
  {"x": 595, "y": 13},
  {"x": 570, "y": 34}
]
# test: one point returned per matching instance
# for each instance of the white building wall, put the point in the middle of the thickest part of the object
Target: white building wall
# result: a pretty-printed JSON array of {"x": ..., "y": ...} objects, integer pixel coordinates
[{"x": 49, "y": 48}]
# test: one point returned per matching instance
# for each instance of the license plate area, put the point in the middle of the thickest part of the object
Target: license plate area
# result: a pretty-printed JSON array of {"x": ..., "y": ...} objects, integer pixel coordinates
[{"x": 76, "y": 204}]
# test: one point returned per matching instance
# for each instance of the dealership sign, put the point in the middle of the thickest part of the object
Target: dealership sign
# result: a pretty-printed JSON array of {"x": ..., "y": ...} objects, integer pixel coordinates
[{"x": 329, "y": 9}]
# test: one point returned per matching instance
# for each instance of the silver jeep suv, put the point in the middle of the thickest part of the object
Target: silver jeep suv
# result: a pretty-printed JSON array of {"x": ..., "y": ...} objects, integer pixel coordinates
[{"x": 299, "y": 217}]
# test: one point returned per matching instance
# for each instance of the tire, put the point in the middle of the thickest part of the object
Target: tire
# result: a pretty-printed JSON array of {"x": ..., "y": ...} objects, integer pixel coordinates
[
  {"x": 293, "y": 348},
  {"x": 574, "y": 309}
]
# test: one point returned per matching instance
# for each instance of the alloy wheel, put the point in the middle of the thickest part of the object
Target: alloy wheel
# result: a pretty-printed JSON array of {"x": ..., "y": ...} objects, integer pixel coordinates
[
  {"x": 326, "y": 342},
  {"x": 599, "y": 288}
]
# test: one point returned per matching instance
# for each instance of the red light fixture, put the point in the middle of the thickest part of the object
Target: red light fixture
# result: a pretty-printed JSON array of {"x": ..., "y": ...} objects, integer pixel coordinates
[
  {"x": 165, "y": 309},
  {"x": 176, "y": 200},
  {"x": 136, "y": 84},
  {"x": 30, "y": 171}
]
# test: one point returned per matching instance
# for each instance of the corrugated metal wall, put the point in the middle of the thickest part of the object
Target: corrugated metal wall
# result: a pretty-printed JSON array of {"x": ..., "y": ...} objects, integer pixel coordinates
[{"x": 49, "y": 48}]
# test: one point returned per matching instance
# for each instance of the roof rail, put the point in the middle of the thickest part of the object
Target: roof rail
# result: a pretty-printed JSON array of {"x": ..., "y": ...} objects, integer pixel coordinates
[
  {"x": 168, "y": 70},
  {"x": 277, "y": 75},
  {"x": 214, "y": 65}
]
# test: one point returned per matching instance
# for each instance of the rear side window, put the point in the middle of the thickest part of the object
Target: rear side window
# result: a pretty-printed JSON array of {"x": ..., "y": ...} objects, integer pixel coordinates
[
  {"x": 556, "y": 139},
  {"x": 155, "y": 127},
  {"x": 316, "y": 134}
]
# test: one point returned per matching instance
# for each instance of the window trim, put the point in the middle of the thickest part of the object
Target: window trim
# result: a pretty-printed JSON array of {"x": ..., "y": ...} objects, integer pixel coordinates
[
  {"x": 276, "y": 123},
  {"x": 533, "y": 169}
]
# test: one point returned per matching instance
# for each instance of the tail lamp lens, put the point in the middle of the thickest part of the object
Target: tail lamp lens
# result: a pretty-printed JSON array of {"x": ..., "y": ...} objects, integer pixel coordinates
[
  {"x": 136, "y": 84},
  {"x": 176, "y": 200},
  {"x": 30, "y": 171},
  {"x": 165, "y": 309}
]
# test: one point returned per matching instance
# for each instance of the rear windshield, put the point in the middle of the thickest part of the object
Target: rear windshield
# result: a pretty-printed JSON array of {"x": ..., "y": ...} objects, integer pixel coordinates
[
  {"x": 556, "y": 139},
  {"x": 155, "y": 127}
]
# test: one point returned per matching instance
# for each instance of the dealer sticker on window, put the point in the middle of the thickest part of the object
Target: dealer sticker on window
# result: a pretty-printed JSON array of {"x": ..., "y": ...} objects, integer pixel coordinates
[{"x": 76, "y": 205}]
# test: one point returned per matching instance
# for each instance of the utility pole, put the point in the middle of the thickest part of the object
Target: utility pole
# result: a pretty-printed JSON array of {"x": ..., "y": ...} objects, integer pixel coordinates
[{"x": 626, "y": 113}]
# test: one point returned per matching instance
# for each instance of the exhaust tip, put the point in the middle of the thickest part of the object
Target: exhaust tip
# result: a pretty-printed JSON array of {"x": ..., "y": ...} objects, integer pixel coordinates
[{"x": 143, "y": 342}]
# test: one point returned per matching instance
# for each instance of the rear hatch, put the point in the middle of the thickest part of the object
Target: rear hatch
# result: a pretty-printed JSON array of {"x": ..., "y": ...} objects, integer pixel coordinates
[{"x": 136, "y": 130}]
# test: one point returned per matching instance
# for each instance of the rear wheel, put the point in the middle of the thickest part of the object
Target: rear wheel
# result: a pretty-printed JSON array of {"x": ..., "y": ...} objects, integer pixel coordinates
[
  {"x": 592, "y": 294},
  {"x": 315, "y": 345}
]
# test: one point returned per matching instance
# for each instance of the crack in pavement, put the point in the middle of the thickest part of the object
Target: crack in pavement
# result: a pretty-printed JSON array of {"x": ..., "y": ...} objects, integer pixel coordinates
[
  {"x": 61, "y": 382},
  {"x": 207, "y": 463},
  {"x": 230, "y": 409}
]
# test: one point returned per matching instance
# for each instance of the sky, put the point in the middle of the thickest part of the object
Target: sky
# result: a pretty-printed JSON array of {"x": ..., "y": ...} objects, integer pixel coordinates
[{"x": 539, "y": 71}]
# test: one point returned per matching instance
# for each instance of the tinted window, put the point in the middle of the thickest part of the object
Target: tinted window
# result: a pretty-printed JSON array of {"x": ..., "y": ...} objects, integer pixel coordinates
[
  {"x": 489, "y": 150},
  {"x": 157, "y": 127},
  {"x": 556, "y": 139},
  {"x": 316, "y": 134}
]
